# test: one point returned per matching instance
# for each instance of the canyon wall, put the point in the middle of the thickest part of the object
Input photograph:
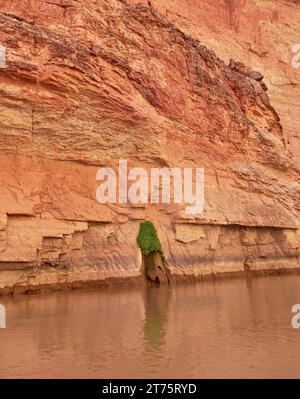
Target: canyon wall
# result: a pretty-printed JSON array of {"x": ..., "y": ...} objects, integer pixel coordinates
[
  {"x": 89, "y": 83},
  {"x": 261, "y": 34}
]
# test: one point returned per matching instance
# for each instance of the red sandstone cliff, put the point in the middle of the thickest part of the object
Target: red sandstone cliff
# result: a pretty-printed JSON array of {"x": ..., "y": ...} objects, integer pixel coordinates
[
  {"x": 88, "y": 83},
  {"x": 259, "y": 33}
]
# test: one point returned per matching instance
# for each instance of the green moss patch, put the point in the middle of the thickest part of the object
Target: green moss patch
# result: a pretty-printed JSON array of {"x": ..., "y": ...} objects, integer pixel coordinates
[{"x": 148, "y": 241}]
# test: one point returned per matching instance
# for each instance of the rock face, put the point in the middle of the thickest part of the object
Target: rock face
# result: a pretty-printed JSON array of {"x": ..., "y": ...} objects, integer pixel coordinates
[
  {"x": 89, "y": 83},
  {"x": 259, "y": 33}
]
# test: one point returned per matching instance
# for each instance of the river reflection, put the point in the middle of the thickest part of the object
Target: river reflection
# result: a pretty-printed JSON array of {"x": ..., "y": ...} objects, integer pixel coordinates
[
  {"x": 227, "y": 328},
  {"x": 156, "y": 316}
]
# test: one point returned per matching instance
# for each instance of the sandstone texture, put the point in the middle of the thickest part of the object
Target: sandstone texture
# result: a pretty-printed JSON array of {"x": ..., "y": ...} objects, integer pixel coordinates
[
  {"x": 160, "y": 84},
  {"x": 259, "y": 33}
]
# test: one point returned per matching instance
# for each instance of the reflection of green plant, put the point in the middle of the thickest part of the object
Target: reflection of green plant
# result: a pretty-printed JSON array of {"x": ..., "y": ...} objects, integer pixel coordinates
[
  {"x": 156, "y": 317},
  {"x": 148, "y": 241}
]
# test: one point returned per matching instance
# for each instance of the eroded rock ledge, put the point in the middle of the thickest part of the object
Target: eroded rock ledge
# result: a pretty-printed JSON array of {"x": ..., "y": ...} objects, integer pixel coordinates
[
  {"x": 88, "y": 84},
  {"x": 80, "y": 254}
]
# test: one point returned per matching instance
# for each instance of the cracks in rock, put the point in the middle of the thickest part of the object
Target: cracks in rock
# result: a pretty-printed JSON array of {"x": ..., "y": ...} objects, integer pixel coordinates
[
  {"x": 233, "y": 23},
  {"x": 65, "y": 7},
  {"x": 218, "y": 181},
  {"x": 32, "y": 120},
  {"x": 16, "y": 17}
]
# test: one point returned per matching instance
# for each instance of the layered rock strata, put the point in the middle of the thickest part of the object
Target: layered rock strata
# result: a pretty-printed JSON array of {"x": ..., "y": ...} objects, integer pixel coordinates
[{"x": 89, "y": 83}]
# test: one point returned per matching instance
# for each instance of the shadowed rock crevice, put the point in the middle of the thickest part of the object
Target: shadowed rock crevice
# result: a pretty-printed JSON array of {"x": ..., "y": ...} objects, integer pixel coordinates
[
  {"x": 154, "y": 260},
  {"x": 155, "y": 269}
]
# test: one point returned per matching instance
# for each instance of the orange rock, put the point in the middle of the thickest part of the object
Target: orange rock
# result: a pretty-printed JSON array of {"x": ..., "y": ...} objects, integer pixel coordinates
[{"x": 87, "y": 84}]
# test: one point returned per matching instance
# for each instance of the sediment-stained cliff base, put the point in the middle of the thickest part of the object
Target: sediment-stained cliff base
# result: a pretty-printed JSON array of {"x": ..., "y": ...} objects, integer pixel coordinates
[
  {"x": 89, "y": 83},
  {"x": 99, "y": 253}
]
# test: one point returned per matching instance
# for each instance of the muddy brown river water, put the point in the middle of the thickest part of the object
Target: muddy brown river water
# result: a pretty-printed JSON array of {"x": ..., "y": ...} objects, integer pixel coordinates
[{"x": 226, "y": 328}]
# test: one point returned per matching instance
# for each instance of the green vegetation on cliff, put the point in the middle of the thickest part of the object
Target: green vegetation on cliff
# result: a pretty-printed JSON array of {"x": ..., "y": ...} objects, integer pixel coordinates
[{"x": 148, "y": 241}]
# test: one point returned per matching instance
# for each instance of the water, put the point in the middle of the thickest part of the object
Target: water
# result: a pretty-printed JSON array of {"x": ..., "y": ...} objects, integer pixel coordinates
[{"x": 229, "y": 328}]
